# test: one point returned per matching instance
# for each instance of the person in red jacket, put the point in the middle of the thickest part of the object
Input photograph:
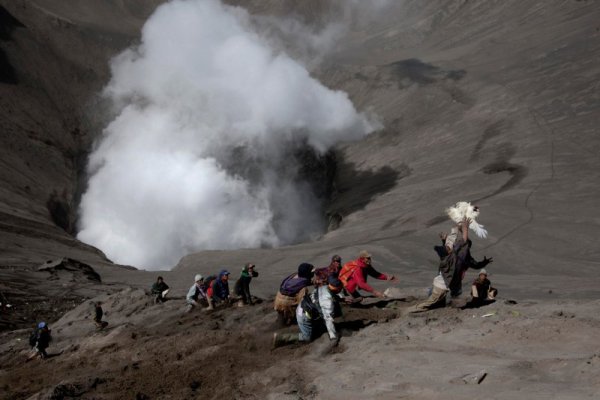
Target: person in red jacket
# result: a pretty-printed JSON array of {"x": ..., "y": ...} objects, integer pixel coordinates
[{"x": 354, "y": 276}]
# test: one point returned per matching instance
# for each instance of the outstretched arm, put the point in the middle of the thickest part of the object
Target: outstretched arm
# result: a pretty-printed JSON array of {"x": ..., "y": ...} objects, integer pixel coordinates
[
  {"x": 482, "y": 263},
  {"x": 359, "y": 279},
  {"x": 465, "y": 228},
  {"x": 378, "y": 275}
]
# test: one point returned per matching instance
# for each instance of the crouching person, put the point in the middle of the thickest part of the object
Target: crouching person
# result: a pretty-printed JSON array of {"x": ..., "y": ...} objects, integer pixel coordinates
[
  {"x": 40, "y": 340},
  {"x": 197, "y": 294},
  {"x": 242, "y": 285},
  {"x": 316, "y": 309},
  {"x": 482, "y": 292},
  {"x": 354, "y": 276},
  {"x": 291, "y": 292},
  {"x": 160, "y": 290},
  {"x": 218, "y": 291}
]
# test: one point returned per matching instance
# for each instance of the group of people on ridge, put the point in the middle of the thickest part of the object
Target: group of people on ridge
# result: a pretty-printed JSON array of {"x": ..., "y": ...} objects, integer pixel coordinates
[
  {"x": 336, "y": 283},
  {"x": 333, "y": 284},
  {"x": 316, "y": 310},
  {"x": 209, "y": 291}
]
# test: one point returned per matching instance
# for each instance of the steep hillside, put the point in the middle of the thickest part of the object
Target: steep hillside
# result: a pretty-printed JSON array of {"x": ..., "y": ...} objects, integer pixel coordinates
[
  {"x": 54, "y": 61},
  {"x": 490, "y": 102},
  {"x": 495, "y": 102}
]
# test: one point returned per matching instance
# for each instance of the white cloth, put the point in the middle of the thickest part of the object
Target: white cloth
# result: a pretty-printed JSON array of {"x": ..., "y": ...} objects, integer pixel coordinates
[
  {"x": 327, "y": 304},
  {"x": 438, "y": 282}
]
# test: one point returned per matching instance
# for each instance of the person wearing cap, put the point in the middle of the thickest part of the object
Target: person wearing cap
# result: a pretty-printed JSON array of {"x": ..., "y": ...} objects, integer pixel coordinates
[
  {"x": 41, "y": 339},
  {"x": 218, "y": 290},
  {"x": 319, "y": 308},
  {"x": 196, "y": 295},
  {"x": 452, "y": 268},
  {"x": 160, "y": 290},
  {"x": 242, "y": 285},
  {"x": 354, "y": 276},
  {"x": 291, "y": 291},
  {"x": 482, "y": 292},
  {"x": 333, "y": 269}
]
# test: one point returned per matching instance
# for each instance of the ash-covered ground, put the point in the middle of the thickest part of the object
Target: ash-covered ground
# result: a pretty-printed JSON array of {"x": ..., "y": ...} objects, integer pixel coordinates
[{"x": 490, "y": 102}]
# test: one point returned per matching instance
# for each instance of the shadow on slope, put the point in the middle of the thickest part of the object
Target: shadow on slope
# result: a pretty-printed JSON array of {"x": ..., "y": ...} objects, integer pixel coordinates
[
  {"x": 423, "y": 73},
  {"x": 7, "y": 24},
  {"x": 504, "y": 152},
  {"x": 355, "y": 189}
]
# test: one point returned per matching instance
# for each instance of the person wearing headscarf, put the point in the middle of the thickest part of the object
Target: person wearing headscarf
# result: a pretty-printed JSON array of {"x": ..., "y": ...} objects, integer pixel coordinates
[
  {"x": 197, "y": 293},
  {"x": 333, "y": 269},
  {"x": 454, "y": 263},
  {"x": 291, "y": 291}
]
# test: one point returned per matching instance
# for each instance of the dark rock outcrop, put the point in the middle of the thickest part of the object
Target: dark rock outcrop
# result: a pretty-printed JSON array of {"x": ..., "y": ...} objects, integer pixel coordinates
[{"x": 79, "y": 271}]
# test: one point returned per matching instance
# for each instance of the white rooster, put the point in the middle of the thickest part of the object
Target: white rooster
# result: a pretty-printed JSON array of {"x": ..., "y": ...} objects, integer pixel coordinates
[{"x": 464, "y": 209}]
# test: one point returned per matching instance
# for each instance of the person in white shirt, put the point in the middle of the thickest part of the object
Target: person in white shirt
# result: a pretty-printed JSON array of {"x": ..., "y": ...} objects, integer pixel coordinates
[{"x": 320, "y": 307}]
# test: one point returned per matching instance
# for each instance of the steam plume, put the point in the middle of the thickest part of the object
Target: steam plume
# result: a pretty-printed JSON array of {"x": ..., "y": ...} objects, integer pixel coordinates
[{"x": 198, "y": 155}]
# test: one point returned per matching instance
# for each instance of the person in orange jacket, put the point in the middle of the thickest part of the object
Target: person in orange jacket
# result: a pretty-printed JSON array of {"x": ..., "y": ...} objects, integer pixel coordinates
[{"x": 354, "y": 276}]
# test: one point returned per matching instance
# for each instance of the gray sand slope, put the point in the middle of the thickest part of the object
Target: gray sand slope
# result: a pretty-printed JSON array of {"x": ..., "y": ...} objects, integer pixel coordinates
[{"x": 491, "y": 102}]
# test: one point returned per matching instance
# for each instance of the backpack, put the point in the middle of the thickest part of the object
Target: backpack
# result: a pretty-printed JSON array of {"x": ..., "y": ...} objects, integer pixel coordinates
[
  {"x": 208, "y": 281},
  {"x": 347, "y": 271},
  {"x": 313, "y": 309},
  {"x": 33, "y": 338},
  {"x": 291, "y": 287}
]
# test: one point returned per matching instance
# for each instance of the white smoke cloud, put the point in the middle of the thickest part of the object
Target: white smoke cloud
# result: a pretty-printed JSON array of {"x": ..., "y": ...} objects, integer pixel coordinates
[
  {"x": 198, "y": 156},
  {"x": 314, "y": 43}
]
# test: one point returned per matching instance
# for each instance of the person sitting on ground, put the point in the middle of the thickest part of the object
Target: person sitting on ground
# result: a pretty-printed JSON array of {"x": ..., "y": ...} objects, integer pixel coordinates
[
  {"x": 160, "y": 290},
  {"x": 40, "y": 340},
  {"x": 315, "y": 310},
  {"x": 197, "y": 294},
  {"x": 482, "y": 292},
  {"x": 291, "y": 291},
  {"x": 242, "y": 285},
  {"x": 333, "y": 269},
  {"x": 219, "y": 290},
  {"x": 354, "y": 276},
  {"x": 98, "y": 313},
  {"x": 452, "y": 267}
]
